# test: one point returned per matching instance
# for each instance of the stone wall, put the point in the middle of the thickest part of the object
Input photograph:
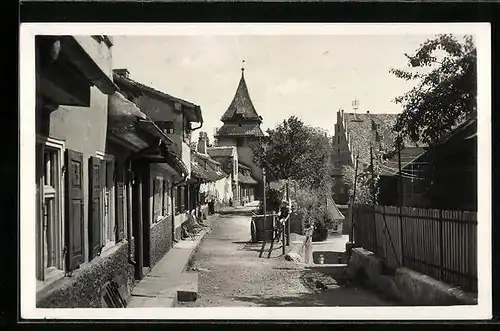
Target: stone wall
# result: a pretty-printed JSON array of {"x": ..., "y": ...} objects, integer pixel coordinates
[
  {"x": 83, "y": 288},
  {"x": 405, "y": 286},
  {"x": 161, "y": 239}
]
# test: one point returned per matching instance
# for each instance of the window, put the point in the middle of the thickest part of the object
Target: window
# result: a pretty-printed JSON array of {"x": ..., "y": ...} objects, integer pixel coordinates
[
  {"x": 338, "y": 151},
  {"x": 179, "y": 199},
  {"x": 239, "y": 141},
  {"x": 109, "y": 203},
  {"x": 166, "y": 198},
  {"x": 50, "y": 225},
  {"x": 157, "y": 196}
]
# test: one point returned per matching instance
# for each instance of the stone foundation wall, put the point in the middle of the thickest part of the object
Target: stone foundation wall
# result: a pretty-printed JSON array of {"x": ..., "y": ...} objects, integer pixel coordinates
[
  {"x": 83, "y": 288},
  {"x": 161, "y": 239},
  {"x": 406, "y": 286}
]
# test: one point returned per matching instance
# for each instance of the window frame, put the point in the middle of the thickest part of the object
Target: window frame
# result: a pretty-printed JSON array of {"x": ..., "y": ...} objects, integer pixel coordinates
[
  {"x": 46, "y": 275},
  {"x": 109, "y": 222}
]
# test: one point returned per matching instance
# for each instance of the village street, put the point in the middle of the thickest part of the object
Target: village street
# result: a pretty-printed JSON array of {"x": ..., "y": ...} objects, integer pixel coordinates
[{"x": 232, "y": 274}]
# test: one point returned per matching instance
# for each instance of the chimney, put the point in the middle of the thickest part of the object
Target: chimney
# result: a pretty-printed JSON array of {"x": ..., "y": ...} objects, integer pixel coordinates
[
  {"x": 122, "y": 72},
  {"x": 202, "y": 143}
]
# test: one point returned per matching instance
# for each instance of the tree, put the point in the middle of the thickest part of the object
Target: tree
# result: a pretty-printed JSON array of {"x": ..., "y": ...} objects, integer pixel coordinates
[
  {"x": 444, "y": 70},
  {"x": 294, "y": 151}
]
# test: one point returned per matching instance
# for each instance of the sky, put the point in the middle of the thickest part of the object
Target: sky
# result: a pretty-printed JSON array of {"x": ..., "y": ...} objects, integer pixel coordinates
[{"x": 310, "y": 76}]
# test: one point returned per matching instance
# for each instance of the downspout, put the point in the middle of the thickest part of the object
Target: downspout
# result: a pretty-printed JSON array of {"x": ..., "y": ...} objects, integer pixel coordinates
[
  {"x": 201, "y": 122},
  {"x": 198, "y": 127}
]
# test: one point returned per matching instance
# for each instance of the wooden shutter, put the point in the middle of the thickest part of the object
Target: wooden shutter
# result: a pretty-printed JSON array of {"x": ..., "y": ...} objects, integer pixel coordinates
[
  {"x": 120, "y": 202},
  {"x": 74, "y": 215},
  {"x": 95, "y": 206}
]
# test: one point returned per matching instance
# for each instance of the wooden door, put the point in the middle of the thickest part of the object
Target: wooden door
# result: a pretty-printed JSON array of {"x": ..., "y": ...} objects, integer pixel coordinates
[
  {"x": 74, "y": 210},
  {"x": 95, "y": 206}
]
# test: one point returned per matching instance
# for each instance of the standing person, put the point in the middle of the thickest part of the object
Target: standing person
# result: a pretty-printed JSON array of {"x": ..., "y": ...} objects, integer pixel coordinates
[{"x": 282, "y": 216}]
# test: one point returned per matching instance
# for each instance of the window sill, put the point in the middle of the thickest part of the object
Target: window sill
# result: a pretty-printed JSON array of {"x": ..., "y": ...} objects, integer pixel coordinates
[{"x": 160, "y": 220}]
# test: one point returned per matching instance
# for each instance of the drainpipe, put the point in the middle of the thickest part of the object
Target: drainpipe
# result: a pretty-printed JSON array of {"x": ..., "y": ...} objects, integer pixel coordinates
[{"x": 198, "y": 127}]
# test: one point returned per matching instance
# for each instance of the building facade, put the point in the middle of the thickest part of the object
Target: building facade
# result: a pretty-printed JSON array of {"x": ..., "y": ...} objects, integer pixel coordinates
[
  {"x": 76, "y": 235},
  {"x": 354, "y": 134},
  {"x": 107, "y": 174},
  {"x": 241, "y": 129},
  {"x": 228, "y": 158},
  {"x": 175, "y": 118}
]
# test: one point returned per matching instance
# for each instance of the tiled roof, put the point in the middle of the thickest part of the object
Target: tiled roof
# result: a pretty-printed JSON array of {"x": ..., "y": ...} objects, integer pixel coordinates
[
  {"x": 238, "y": 131},
  {"x": 207, "y": 173},
  {"x": 244, "y": 166},
  {"x": 366, "y": 128},
  {"x": 220, "y": 151},
  {"x": 198, "y": 155},
  {"x": 136, "y": 87},
  {"x": 408, "y": 155},
  {"x": 241, "y": 107},
  {"x": 245, "y": 179}
]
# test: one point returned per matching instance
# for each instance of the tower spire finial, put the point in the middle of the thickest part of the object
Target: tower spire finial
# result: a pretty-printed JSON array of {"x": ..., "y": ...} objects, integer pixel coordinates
[{"x": 242, "y": 66}]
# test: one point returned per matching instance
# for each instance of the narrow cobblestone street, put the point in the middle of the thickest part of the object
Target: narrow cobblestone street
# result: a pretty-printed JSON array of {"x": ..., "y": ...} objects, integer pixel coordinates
[{"x": 232, "y": 274}]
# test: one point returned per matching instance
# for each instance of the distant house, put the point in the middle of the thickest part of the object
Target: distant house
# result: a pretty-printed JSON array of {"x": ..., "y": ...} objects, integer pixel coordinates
[
  {"x": 442, "y": 176},
  {"x": 248, "y": 185},
  {"x": 354, "y": 134},
  {"x": 227, "y": 156},
  {"x": 209, "y": 182},
  {"x": 241, "y": 128}
]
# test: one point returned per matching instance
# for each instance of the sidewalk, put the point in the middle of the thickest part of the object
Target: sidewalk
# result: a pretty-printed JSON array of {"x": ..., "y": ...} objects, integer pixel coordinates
[{"x": 169, "y": 279}]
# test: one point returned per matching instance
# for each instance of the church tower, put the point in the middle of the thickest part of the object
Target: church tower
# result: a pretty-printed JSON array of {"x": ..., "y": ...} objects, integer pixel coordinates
[{"x": 241, "y": 127}]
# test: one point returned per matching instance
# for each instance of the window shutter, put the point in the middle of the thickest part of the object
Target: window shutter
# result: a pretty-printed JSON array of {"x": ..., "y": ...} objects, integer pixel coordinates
[
  {"x": 120, "y": 202},
  {"x": 74, "y": 210},
  {"x": 95, "y": 206}
]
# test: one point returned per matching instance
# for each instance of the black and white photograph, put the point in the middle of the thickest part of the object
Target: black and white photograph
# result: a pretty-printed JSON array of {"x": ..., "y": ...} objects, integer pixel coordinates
[{"x": 264, "y": 171}]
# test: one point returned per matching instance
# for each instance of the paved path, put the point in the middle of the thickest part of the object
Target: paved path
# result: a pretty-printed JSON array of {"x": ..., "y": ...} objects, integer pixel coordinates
[{"x": 232, "y": 274}]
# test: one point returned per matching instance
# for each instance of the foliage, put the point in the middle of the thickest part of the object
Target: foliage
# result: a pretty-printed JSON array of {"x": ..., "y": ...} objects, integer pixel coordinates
[
  {"x": 293, "y": 150},
  {"x": 444, "y": 70},
  {"x": 273, "y": 200}
]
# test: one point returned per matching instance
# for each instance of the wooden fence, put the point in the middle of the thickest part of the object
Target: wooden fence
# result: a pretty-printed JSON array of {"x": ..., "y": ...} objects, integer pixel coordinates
[{"x": 438, "y": 243}]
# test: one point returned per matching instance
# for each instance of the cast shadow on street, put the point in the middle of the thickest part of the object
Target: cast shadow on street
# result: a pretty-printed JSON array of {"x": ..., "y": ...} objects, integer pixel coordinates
[
  {"x": 342, "y": 296},
  {"x": 256, "y": 247}
]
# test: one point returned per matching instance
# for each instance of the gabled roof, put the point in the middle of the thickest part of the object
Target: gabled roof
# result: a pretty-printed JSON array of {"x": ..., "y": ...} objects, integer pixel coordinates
[
  {"x": 241, "y": 108},
  {"x": 137, "y": 88},
  {"x": 221, "y": 151},
  {"x": 245, "y": 130}
]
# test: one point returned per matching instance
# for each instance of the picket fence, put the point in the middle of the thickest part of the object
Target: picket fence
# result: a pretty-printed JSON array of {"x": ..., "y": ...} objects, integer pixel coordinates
[{"x": 438, "y": 243}]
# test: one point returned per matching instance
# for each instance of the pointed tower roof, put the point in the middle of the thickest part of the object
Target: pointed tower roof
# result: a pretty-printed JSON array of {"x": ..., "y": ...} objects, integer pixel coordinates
[{"x": 241, "y": 108}]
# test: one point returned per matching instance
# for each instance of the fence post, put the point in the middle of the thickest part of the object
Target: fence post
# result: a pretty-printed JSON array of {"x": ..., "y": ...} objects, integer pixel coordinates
[
  {"x": 441, "y": 269},
  {"x": 401, "y": 234}
]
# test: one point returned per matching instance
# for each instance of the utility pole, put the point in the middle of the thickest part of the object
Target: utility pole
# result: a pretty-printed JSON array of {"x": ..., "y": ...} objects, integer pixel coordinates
[
  {"x": 373, "y": 175},
  {"x": 373, "y": 195},
  {"x": 351, "y": 235},
  {"x": 401, "y": 202},
  {"x": 289, "y": 211}
]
